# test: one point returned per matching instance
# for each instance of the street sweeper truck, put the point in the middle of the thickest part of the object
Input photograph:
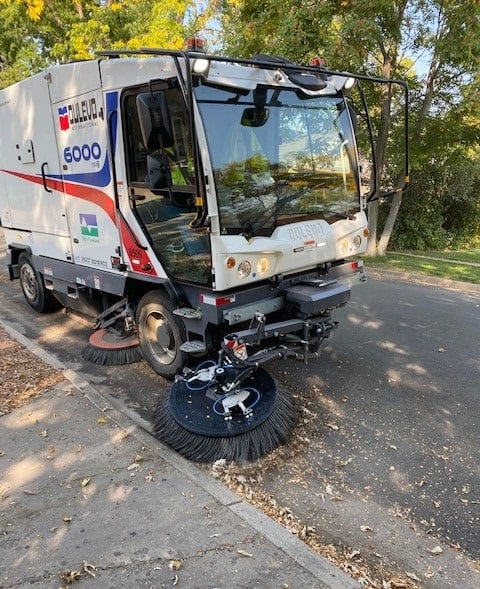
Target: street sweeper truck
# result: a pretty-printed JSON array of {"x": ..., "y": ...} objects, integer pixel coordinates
[{"x": 206, "y": 212}]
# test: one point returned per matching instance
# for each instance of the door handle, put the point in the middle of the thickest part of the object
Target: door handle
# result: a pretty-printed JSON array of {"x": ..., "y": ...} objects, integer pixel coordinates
[{"x": 44, "y": 178}]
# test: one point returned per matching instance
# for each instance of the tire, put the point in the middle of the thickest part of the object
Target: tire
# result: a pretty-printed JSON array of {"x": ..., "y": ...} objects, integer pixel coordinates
[
  {"x": 33, "y": 287},
  {"x": 161, "y": 334}
]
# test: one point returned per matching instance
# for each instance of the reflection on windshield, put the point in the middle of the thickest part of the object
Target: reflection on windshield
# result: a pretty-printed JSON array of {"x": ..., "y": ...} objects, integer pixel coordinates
[{"x": 291, "y": 162}]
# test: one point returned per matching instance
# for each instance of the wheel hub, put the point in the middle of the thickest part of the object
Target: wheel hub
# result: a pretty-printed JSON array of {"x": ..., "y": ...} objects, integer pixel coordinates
[
  {"x": 203, "y": 412},
  {"x": 28, "y": 282}
]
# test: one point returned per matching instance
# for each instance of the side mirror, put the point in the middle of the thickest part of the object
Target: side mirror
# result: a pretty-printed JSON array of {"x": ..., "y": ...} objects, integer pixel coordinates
[
  {"x": 158, "y": 171},
  {"x": 255, "y": 117},
  {"x": 154, "y": 119}
]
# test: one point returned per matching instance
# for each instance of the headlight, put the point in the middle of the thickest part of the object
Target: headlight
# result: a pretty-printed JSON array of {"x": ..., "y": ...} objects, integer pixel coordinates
[
  {"x": 244, "y": 269},
  {"x": 357, "y": 241},
  {"x": 343, "y": 246},
  {"x": 263, "y": 266}
]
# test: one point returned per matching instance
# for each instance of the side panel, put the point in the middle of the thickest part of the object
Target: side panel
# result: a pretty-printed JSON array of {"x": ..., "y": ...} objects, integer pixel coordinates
[
  {"x": 28, "y": 155},
  {"x": 83, "y": 147},
  {"x": 87, "y": 138}
]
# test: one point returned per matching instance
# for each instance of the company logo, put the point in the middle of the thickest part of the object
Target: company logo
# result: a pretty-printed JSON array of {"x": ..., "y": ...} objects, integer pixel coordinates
[
  {"x": 305, "y": 232},
  {"x": 78, "y": 115},
  {"x": 63, "y": 118},
  {"x": 88, "y": 225}
]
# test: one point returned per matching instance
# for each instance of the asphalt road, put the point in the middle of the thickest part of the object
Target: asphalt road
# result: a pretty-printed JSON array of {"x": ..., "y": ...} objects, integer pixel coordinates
[{"x": 386, "y": 460}]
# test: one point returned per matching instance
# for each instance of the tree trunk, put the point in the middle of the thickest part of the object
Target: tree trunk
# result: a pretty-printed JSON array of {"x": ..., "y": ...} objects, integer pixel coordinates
[
  {"x": 372, "y": 228},
  {"x": 380, "y": 152},
  {"x": 389, "y": 224}
]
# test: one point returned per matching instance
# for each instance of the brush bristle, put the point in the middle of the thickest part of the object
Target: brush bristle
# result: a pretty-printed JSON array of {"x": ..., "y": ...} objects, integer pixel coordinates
[
  {"x": 116, "y": 357},
  {"x": 244, "y": 447}
]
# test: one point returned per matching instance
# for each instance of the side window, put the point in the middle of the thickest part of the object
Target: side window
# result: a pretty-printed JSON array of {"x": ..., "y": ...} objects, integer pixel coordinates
[
  {"x": 137, "y": 152},
  {"x": 178, "y": 155}
]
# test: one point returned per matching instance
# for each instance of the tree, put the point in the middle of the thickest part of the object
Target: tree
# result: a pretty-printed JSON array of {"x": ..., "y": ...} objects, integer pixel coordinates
[
  {"x": 379, "y": 37},
  {"x": 35, "y": 33}
]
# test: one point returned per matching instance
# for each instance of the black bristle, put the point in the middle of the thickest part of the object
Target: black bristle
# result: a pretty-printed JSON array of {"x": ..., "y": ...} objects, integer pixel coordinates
[
  {"x": 114, "y": 357},
  {"x": 244, "y": 447}
]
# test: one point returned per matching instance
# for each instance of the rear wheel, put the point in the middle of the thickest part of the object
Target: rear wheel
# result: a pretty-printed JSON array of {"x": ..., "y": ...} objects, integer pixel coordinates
[
  {"x": 161, "y": 334},
  {"x": 33, "y": 287}
]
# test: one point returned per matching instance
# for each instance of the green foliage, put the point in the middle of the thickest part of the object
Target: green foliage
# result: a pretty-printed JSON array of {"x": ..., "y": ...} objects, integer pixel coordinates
[
  {"x": 441, "y": 207},
  {"x": 36, "y": 33},
  {"x": 420, "y": 221}
]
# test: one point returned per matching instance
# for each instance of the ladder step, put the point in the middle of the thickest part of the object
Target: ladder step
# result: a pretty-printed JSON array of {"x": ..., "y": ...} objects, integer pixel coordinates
[
  {"x": 193, "y": 347},
  {"x": 188, "y": 313}
]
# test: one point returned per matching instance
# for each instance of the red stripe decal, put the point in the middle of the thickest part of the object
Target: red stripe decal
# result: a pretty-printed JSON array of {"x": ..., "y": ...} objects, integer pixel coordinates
[
  {"x": 139, "y": 259},
  {"x": 87, "y": 193}
]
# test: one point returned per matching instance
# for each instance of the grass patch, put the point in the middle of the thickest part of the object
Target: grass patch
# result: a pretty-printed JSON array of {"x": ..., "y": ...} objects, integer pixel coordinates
[
  {"x": 471, "y": 255},
  {"x": 443, "y": 268}
]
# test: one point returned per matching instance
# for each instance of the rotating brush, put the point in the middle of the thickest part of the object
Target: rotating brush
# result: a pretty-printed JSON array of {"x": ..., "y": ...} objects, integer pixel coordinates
[
  {"x": 194, "y": 422},
  {"x": 107, "y": 348}
]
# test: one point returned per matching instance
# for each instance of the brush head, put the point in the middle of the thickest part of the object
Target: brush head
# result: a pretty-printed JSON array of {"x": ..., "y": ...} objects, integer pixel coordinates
[
  {"x": 109, "y": 349},
  {"x": 194, "y": 424}
]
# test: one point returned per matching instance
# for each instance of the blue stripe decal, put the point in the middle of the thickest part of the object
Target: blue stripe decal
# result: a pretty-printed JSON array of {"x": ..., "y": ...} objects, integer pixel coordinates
[
  {"x": 100, "y": 178},
  {"x": 103, "y": 176},
  {"x": 112, "y": 114}
]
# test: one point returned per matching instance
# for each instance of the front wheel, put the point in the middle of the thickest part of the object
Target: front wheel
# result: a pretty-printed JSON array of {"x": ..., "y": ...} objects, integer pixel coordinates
[
  {"x": 33, "y": 287},
  {"x": 161, "y": 333}
]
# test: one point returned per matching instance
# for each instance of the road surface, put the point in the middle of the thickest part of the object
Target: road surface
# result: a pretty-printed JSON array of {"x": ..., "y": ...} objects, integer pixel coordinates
[{"x": 385, "y": 461}]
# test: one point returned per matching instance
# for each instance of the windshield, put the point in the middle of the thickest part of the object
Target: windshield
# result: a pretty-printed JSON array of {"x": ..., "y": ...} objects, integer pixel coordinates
[{"x": 278, "y": 157}]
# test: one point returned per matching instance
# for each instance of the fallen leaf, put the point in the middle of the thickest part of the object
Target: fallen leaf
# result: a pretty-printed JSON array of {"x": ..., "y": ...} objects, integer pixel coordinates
[
  {"x": 29, "y": 492},
  {"x": 244, "y": 553},
  {"x": 101, "y": 420},
  {"x": 174, "y": 565},
  {"x": 333, "y": 426},
  {"x": 70, "y": 577},
  {"x": 67, "y": 519},
  {"x": 441, "y": 350},
  {"x": 429, "y": 574},
  {"x": 436, "y": 550},
  {"x": 44, "y": 433},
  {"x": 412, "y": 576},
  {"x": 85, "y": 482},
  {"x": 397, "y": 583},
  {"x": 89, "y": 568},
  {"x": 366, "y": 529},
  {"x": 353, "y": 554}
]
